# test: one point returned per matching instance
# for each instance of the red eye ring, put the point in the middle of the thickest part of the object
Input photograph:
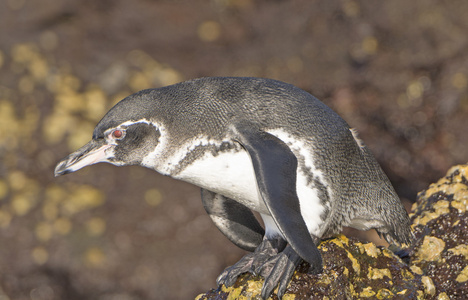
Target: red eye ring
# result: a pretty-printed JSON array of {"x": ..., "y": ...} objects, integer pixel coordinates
[{"x": 117, "y": 133}]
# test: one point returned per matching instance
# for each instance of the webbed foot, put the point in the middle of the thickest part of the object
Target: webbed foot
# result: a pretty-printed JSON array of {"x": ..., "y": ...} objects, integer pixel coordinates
[
  {"x": 252, "y": 262},
  {"x": 283, "y": 266},
  {"x": 271, "y": 260}
]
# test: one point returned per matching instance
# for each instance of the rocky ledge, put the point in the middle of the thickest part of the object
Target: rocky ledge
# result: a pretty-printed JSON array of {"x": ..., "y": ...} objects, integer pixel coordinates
[{"x": 436, "y": 266}]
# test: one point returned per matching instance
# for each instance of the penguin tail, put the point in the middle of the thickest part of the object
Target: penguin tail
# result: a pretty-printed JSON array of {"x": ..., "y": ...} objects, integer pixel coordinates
[{"x": 399, "y": 235}]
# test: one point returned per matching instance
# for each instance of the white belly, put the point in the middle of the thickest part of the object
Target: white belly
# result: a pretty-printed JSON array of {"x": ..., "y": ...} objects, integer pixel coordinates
[{"x": 232, "y": 175}]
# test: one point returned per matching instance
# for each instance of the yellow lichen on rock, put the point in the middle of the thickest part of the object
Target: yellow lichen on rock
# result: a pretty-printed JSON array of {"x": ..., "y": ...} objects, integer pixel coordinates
[
  {"x": 374, "y": 273},
  {"x": 198, "y": 297},
  {"x": 253, "y": 288},
  {"x": 460, "y": 250},
  {"x": 367, "y": 292},
  {"x": 233, "y": 293},
  {"x": 355, "y": 263},
  {"x": 407, "y": 275},
  {"x": 452, "y": 183},
  {"x": 463, "y": 276},
  {"x": 385, "y": 294},
  {"x": 429, "y": 286},
  {"x": 415, "y": 269},
  {"x": 371, "y": 250},
  {"x": 460, "y": 205},
  {"x": 443, "y": 296},
  {"x": 430, "y": 249},
  {"x": 325, "y": 279},
  {"x": 291, "y": 297},
  {"x": 344, "y": 239},
  {"x": 442, "y": 207},
  {"x": 403, "y": 292}
]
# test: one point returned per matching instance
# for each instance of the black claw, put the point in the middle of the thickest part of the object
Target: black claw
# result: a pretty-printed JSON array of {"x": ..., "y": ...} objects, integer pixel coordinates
[
  {"x": 276, "y": 267},
  {"x": 287, "y": 275},
  {"x": 252, "y": 262},
  {"x": 229, "y": 276},
  {"x": 285, "y": 264}
]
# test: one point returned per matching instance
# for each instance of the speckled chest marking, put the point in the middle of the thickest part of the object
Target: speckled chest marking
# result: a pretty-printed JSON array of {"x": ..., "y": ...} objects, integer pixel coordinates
[{"x": 230, "y": 172}]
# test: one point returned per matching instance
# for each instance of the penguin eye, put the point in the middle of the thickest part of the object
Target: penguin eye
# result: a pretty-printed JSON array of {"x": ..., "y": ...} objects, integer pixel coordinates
[{"x": 117, "y": 134}]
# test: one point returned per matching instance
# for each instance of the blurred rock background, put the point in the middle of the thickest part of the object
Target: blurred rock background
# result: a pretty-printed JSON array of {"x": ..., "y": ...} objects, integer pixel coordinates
[{"x": 397, "y": 71}]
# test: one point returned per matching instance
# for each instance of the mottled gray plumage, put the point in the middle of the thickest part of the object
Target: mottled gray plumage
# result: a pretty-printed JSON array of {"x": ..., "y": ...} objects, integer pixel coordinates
[{"x": 180, "y": 129}]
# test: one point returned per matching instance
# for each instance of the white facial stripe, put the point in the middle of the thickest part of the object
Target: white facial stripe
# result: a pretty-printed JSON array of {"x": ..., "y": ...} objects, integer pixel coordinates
[
  {"x": 154, "y": 159},
  {"x": 145, "y": 121},
  {"x": 150, "y": 160},
  {"x": 108, "y": 132},
  {"x": 129, "y": 123},
  {"x": 309, "y": 201}
]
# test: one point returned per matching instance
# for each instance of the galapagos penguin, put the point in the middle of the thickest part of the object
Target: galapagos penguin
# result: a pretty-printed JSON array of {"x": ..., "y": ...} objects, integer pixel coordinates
[{"x": 254, "y": 144}]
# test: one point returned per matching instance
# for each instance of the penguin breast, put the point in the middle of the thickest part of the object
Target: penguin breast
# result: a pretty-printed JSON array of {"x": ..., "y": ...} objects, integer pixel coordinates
[{"x": 229, "y": 173}]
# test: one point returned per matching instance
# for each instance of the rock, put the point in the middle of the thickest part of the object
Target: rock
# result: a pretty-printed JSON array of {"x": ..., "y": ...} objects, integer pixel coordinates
[
  {"x": 440, "y": 221},
  {"x": 437, "y": 266}
]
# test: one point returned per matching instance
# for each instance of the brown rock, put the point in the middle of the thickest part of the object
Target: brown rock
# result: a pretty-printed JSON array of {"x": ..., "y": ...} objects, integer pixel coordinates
[{"x": 438, "y": 262}]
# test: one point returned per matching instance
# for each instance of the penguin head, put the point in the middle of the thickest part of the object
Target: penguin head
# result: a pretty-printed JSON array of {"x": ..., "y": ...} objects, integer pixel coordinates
[{"x": 119, "y": 138}]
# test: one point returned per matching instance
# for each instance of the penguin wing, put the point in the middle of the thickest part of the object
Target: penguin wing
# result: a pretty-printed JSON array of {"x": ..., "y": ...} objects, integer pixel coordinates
[
  {"x": 233, "y": 219},
  {"x": 275, "y": 167}
]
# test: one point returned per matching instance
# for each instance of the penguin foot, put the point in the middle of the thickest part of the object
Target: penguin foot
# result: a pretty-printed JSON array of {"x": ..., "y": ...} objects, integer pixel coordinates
[
  {"x": 283, "y": 266},
  {"x": 256, "y": 262},
  {"x": 271, "y": 262}
]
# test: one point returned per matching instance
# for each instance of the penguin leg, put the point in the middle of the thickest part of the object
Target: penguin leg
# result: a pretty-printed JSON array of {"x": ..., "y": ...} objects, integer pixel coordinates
[
  {"x": 234, "y": 220},
  {"x": 253, "y": 262}
]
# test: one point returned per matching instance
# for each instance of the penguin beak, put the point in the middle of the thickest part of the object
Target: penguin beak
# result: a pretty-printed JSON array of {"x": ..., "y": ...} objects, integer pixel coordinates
[{"x": 90, "y": 154}]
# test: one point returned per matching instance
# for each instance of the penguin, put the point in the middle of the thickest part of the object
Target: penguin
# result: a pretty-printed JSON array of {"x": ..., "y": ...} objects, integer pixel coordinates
[{"x": 254, "y": 145}]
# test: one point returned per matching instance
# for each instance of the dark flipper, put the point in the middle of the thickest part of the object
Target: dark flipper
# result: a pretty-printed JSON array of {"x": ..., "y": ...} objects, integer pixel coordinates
[
  {"x": 275, "y": 170},
  {"x": 234, "y": 220}
]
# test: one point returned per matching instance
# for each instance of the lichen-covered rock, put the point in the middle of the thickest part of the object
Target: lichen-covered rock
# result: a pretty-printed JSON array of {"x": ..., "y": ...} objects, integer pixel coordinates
[
  {"x": 438, "y": 259},
  {"x": 440, "y": 221}
]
